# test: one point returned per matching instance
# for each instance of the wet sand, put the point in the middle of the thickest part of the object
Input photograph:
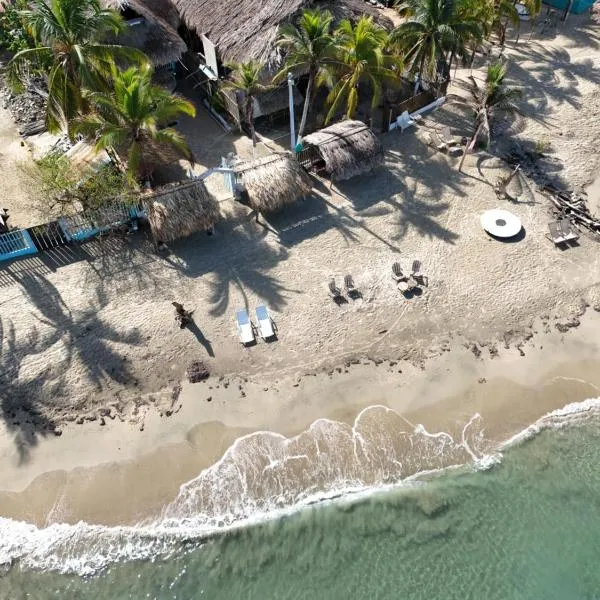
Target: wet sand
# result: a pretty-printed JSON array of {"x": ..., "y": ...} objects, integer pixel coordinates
[{"x": 116, "y": 474}]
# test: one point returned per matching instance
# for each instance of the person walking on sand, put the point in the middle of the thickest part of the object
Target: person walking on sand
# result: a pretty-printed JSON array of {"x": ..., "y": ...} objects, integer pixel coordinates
[{"x": 182, "y": 316}]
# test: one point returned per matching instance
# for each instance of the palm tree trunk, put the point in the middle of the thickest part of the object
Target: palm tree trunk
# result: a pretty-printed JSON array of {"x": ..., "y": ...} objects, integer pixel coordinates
[
  {"x": 472, "y": 59},
  {"x": 420, "y": 74},
  {"x": 503, "y": 29},
  {"x": 307, "y": 100},
  {"x": 532, "y": 27},
  {"x": 451, "y": 60},
  {"x": 471, "y": 143},
  {"x": 250, "y": 118},
  {"x": 567, "y": 10}
]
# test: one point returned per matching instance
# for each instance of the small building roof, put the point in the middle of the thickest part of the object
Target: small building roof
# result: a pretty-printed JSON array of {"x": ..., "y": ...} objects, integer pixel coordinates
[
  {"x": 248, "y": 29},
  {"x": 273, "y": 181},
  {"x": 178, "y": 210},
  {"x": 155, "y": 35},
  {"x": 348, "y": 148}
]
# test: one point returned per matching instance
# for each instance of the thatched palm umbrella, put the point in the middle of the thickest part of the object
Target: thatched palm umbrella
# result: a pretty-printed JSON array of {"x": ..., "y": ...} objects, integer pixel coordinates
[
  {"x": 348, "y": 148},
  {"x": 179, "y": 210},
  {"x": 273, "y": 181}
]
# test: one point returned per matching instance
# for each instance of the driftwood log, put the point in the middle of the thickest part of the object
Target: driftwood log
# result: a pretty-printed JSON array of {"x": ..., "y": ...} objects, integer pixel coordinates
[
  {"x": 563, "y": 203},
  {"x": 573, "y": 207}
]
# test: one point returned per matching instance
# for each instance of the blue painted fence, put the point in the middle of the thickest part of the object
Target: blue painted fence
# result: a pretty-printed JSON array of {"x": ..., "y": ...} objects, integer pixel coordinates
[
  {"x": 75, "y": 228},
  {"x": 87, "y": 225},
  {"x": 16, "y": 243}
]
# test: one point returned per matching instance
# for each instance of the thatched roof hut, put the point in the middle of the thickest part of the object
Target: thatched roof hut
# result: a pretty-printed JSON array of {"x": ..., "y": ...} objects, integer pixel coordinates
[
  {"x": 273, "y": 181},
  {"x": 247, "y": 29},
  {"x": 347, "y": 148},
  {"x": 179, "y": 210},
  {"x": 152, "y": 28}
]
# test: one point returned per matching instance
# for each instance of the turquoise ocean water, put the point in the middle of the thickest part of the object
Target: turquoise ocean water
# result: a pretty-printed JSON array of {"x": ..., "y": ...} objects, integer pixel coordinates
[{"x": 528, "y": 527}]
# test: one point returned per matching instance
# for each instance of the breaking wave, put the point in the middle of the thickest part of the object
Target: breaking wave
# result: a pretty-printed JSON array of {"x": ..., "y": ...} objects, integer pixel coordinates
[{"x": 265, "y": 475}]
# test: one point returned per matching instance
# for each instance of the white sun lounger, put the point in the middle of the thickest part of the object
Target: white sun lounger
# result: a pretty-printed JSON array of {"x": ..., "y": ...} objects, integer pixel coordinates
[
  {"x": 265, "y": 325},
  {"x": 244, "y": 327},
  {"x": 404, "y": 121}
]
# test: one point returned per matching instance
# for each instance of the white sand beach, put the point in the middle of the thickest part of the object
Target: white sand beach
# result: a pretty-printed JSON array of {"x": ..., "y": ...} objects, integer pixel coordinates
[{"x": 94, "y": 424}]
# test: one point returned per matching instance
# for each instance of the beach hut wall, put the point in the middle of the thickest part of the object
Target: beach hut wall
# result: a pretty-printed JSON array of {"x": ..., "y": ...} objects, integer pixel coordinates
[
  {"x": 348, "y": 148},
  {"x": 157, "y": 35},
  {"x": 273, "y": 181},
  {"x": 179, "y": 210}
]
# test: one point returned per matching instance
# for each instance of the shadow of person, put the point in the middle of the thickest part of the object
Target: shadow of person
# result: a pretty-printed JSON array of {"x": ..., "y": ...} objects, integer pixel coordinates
[{"x": 191, "y": 326}]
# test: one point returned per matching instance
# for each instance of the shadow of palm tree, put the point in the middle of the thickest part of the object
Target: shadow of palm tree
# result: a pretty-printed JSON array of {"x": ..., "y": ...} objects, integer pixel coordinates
[
  {"x": 422, "y": 216},
  {"x": 27, "y": 405},
  {"x": 83, "y": 334},
  {"x": 243, "y": 262},
  {"x": 395, "y": 189},
  {"x": 21, "y": 401},
  {"x": 311, "y": 217}
]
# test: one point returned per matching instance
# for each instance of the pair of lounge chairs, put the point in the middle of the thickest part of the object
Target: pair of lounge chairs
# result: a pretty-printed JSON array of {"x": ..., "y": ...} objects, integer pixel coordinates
[
  {"x": 562, "y": 232},
  {"x": 409, "y": 282},
  {"x": 246, "y": 328},
  {"x": 444, "y": 141},
  {"x": 336, "y": 293}
]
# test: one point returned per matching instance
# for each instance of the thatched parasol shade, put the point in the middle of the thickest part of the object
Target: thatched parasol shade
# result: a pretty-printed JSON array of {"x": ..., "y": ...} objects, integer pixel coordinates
[
  {"x": 273, "y": 181},
  {"x": 157, "y": 36},
  {"x": 348, "y": 148},
  {"x": 179, "y": 210}
]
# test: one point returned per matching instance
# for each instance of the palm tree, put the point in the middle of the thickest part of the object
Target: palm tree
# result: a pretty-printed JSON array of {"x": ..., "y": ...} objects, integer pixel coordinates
[
  {"x": 359, "y": 58},
  {"x": 489, "y": 101},
  {"x": 505, "y": 14},
  {"x": 246, "y": 78},
  {"x": 434, "y": 29},
  {"x": 70, "y": 52},
  {"x": 309, "y": 46},
  {"x": 131, "y": 121}
]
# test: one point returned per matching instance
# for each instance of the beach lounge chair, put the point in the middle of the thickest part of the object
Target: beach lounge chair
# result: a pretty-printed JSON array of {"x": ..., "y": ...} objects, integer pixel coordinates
[
  {"x": 334, "y": 291},
  {"x": 265, "y": 324},
  {"x": 417, "y": 275},
  {"x": 404, "y": 121},
  {"x": 438, "y": 143},
  {"x": 568, "y": 231},
  {"x": 351, "y": 289},
  {"x": 397, "y": 273},
  {"x": 244, "y": 327},
  {"x": 447, "y": 137},
  {"x": 561, "y": 232}
]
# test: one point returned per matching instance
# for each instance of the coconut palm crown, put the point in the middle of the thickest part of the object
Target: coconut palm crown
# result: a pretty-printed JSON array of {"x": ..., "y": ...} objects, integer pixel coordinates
[
  {"x": 309, "y": 45},
  {"x": 71, "y": 53},
  {"x": 433, "y": 29},
  {"x": 131, "y": 120},
  {"x": 360, "y": 58}
]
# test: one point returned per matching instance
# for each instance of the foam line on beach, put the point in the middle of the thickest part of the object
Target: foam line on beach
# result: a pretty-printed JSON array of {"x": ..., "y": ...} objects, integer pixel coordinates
[{"x": 86, "y": 549}]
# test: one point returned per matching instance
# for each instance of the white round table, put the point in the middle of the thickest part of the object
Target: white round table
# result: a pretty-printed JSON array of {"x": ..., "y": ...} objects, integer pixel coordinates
[{"x": 501, "y": 223}]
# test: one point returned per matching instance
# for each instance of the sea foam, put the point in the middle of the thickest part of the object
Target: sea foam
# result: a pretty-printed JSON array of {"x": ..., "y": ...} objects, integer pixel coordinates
[{"x": 264, "y": 476}]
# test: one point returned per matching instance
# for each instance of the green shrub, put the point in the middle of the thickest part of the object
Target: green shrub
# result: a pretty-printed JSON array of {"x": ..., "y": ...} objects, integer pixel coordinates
[
  {"x": 13, "y": 33},
  {"x": 58, "y": 188}
]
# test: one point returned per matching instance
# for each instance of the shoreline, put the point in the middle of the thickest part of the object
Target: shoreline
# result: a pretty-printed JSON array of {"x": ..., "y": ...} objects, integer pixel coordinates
[{"x": 116, "y": 475}]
